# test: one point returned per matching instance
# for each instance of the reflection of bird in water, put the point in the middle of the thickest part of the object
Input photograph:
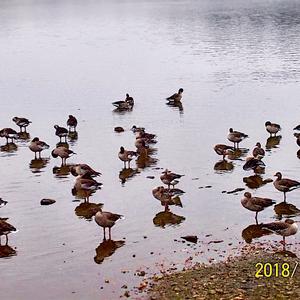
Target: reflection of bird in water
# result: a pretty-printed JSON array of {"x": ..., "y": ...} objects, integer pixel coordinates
[
  {"x": 258, "y": 151},
  {"x": 72, "y": 123},
  {"x": 167, "y": 197},
  {"x": 255, "y": 164},
  {"x": 178, "y": 105},
  {"x": 5, "y": 228},
  {"x": 169, "y": 178},
  {"x": 7, "y": 251},
  {"x": 175, "y": 97},
  {"x": 87, "y": 210},
  {"x": 37, "y": 146},
  {"x": 8, "y": 133},
  {"x": 73, "y": 137},
  {"x": 223, "y": 165},
  {"x": 286, "y": 228},
  {"x": 106, "y": 249},
  {"x": 285, "y": 184},
  {"x": 61, "y": 171},
  {"x": 61, "y": 132},
  {"x": 253, "y": 232},
  {"x": 9, "y": 147},
  {"x": 21, "y": 122},
  {"x": 82, "y": 169},
  {"x": 127, "y": 173},
  {"x": 106, "y": 219},
  {"x": 223, "y": 150},
  {"x": 127, "y": 104},
  {"x": 37, "y": 164},
  {"x": 24, "y": 136},
  {"x": 256, "y": 204},
  {"x": 63, "y": 153},
  {"x": 255, "y": 181},
  {"x": 236, "y": 137},
  {"x": 126, "y": 156},
  {"x": 165, "y": 218},
  {"x": 272, "y": 128},
  {"x": 286, "y": 209},
  {"x": 273, "y": 142}
]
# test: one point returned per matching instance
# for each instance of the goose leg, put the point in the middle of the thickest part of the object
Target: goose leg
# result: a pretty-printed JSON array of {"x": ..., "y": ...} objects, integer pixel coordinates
[
  {"x": 109, "y": 232},
  {"x": 6, "y": 242},
  {"x": 284, "y": 196},
  {"x": 256, "y": 218},
  {"x": 104, "y": 233}
]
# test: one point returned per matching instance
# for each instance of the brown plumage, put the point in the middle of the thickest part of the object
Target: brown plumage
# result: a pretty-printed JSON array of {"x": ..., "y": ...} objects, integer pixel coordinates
[
  {"x": 167, "y": 197},
  {"x": 285, "y": 184},
  {"x": 82, "y": 169},
  {"x": 5, "y": 228},
  {"x": 236, "y": 137},
  {"x": 37, "y": 146},
  {"x": 258, "y": 151},
  {"x": 176, "y": 97},
  {"x": 72, "y": 123},
  {"x": 61, "y": 132},
  {"x": 272, "y": 128},
  {"x": 63, "y": 153},
  {"x": 169, "y": 178},
  {"x": 21, "y": 122},
  {"x": 126, "y": 156},
  {"x": 223, "y": 150},
  {"x": 8, "y": 133}
]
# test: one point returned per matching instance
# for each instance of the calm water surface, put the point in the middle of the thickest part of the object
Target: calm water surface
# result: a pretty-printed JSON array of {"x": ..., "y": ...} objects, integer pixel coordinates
[{"x": 239, "y": 64}]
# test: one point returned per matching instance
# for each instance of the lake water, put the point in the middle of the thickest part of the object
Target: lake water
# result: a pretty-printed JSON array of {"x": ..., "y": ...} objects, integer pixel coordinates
[{"x": 239, "y": 64}]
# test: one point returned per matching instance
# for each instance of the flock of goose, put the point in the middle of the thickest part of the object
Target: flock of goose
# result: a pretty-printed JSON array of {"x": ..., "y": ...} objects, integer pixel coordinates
[
  {"x": 254, "y": 162},
  {"x": 85, "y": 183}
]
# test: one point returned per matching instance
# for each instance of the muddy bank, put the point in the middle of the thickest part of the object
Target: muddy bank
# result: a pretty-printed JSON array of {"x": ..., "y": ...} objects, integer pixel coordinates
[{"x": 236, "y": 278}]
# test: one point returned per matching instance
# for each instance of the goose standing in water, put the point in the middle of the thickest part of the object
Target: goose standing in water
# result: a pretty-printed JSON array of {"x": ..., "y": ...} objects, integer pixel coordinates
[
  {"x": 176, "y": 97},
  {"x": 8, "y": 133},
  {"x": 258, "y": 151},
  {"x": 285, "y": 184},
  {"x": 61, "y": 132},
  {"x": 5, "y": 228},
  {"x": 72, "y": 123},
  {"x": 63, "y": 153},
  {"x": 126, "y": 156},
  {"x": 256, "y": 204},
  {"x": 128, "y": 103},
  {"x": 83, "y": 169},
  {"x": 37, "y": 146},
  {"x": 106, "y": 219},
  {"x": 223, "y": 150},
  {"x": 169, "y": 178},
  {"x": 272, "y": 128},
  {"x": 21, "y": 122},
  {"x": 167, "y": 197},
  {"x": 236, "y": 137}
]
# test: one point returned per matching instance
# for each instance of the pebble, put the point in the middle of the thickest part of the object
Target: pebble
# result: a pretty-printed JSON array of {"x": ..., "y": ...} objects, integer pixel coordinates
[{"x": 46, "y": 201}]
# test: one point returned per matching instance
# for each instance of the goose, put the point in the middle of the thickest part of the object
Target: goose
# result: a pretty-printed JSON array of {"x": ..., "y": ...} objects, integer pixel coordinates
[
  {"x": 286, "y": 228},
  {"x": 169, "y": 178},
  {"x": 21, "y": 122},
  {"x": 166, "y": 197},
  {"x": 272, "y": 128},
  {"x": 176, "y": 97},
  {"x": 297, "y": 128},
  {"x": 258, "y": 151},
  {"x": 285, "y": 184},
  {"x": 297, "y": 135},
  {"x": 63, "y": 153},
  {"x": 72, "y": 123},
  {"x": 8, "y": 133},
  {"x": 37, "y": 146},
  {"x": 5, "y": 228},
  {"x": 125, "y": 104},
  {"x": 82, "y": 169},
  {"x": 106, "y": 219},
  {"x": 223, "y": 150},
  {"x": 61, "y": 132},
  {"x": 126, "y": 156},
  {"x": 253, "y": 163},
  {"x": 236, "y": 137},
  {"x": 256, "y": 204}
]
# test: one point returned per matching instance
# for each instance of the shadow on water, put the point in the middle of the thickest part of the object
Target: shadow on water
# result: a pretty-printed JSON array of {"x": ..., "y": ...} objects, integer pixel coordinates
[
  {"x": 106, "y": 249},
  {"x": 167, "y": 218},
  {"x": 63, "y": 144},
  {"x": 87, "y": 210},
  {"x": 36, "y": 165}
]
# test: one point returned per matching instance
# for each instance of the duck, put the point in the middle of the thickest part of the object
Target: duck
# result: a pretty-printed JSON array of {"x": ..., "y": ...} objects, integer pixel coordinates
[
  {"x": 285, "y": 184},
  {"x": 256, "y": 204},
  {"x": 272, "y": 128},
  {"x": 63, "y": 153},
  {"x": 126, "y": 156},
  {"x": 61, "y": 132},
  {"x": 176, "y": 97},
  {"x": 254, "y": 163},
  {"x": 149, "y": 137},
  {"x": 223, "y": 150},
  {"x": 167, "y": 197},
  {"x": 5, "y": 228},
  {"x": 258, "y": 151},
  {"x": 87, "y": 183},
  {"x": 8, "y": 133},
  {"x": 21, "y": 122},
  {"x": 286, "y": 228},
  {"x": 236, "y": 137},
  {"x": 135, "y": 129},
  {"x": 72, "y": 123},
  {"x": 106, "y": 219},
  {"x": 38, "y": 146},
  {"x": 169, "y": 178},
  {"x": 82, "y": 169},
  {"x": 128, "y": 103}
]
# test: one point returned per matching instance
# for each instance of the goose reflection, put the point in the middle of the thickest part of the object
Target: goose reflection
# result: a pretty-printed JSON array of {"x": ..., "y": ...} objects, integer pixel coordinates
[
  {"x": 255, "y": 181},
  {"x": 24, "y": 136},
  {"x": 285, "y": 209},
  {"x": 106, "y": 249},
  {"x": 62, "y": 171},
  {"x": 9, "y": 148},
  {"x": 273, "y": 142},
  {"x": 63, "y": 144},
  {"x": 176, "y": 105},
  {"x": 254, "y": 231},
  {"x": 145, "y": 161},
  {"x": 37, "y": 164},
  {"x": 127, "y": 173},
  {"x": 87, "y": 210},
  {"x": 224, "y": 165},
  {"x": 167, "y": 218},
  {"x": 5, "y": 229},
  {"x": 238, "y": 153},
  {"x": 7, "y": 251},
  {"x": 73, "y": 137},
  {"x": 82, "y": 194}
]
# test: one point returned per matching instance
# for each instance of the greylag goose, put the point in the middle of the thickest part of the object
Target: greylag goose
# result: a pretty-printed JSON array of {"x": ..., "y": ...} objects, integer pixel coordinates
[
  {"x": 272, "y": 128},
  {"x": 285, "y": 184},
  {"x": 126, "y": 156},
  {"x": 63, "y": 153},
  {"x": 72, "y": 123},
  {"x": 61, "y": 132},
  {"x": 223, "y": 150},
  {"x": 21, "y": 122},
  {"x": 37, "y": 146},
  {"x": 176, "y": 97},
  {"x": 236, "y": 137}
]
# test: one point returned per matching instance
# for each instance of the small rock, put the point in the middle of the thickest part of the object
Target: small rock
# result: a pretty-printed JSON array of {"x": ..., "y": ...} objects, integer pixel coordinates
[
  {"x": 190, "y": 238},
  {"x": 47, "y": 201},
  {"x": 127, "y": 294},
  {"x": 118, "y": 129},
  {"x": 150, "y": 177}
]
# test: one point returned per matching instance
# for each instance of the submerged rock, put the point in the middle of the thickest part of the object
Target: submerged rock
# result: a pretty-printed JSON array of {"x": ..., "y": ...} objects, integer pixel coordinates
[
  {"x": 190, "y": 238},
  {"x": 47, "y": 201}
]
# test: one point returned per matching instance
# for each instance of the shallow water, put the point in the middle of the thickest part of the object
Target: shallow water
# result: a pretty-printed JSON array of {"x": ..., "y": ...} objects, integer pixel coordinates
[{"x": 239, "y": 66}]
